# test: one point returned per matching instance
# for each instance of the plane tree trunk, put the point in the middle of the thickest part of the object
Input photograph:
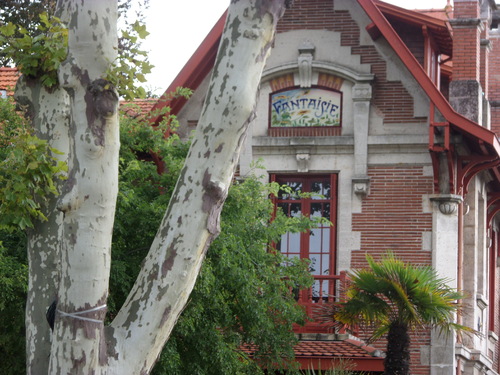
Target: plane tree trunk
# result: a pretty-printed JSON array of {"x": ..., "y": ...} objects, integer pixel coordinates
[
  {"x": 192, "y": 218},
  {"x": 80, "y": 242},
  {"x": 49, "y": 112}
]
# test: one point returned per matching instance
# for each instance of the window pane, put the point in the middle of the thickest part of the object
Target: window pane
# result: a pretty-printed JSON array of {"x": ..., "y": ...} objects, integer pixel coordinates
[
  {"x": 295, "y": 210},
  {"x": 295, "y": 187},
  {"x": 282, "y": 245},
  {"x": 315, "y": 265},
  {"x": 294, "y": 243},
  {"x": 325, "y": 240},
  {"x": 290, "y": 209},
  {"x": 321, "y": 189},
  {"x": 315, "y": 240},
  {"x": 325, "y": 264},
  {"x": 320, "y": 210}
]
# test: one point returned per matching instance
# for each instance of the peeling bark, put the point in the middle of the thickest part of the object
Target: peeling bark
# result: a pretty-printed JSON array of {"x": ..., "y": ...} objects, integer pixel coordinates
[
  {"x": 89, "y": 197},
  {"x": 80, "y": 238},
  {"x": 192, "y": 218},
  {"x": 49, "y": 112}
]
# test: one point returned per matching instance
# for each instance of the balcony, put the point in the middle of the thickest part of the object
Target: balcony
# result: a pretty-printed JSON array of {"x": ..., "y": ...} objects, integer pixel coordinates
[{"x": 325, "y": 289}]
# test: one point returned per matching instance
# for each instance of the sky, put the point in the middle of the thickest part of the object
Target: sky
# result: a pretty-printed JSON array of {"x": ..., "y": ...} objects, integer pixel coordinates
[{"x": 177, "y": 28}]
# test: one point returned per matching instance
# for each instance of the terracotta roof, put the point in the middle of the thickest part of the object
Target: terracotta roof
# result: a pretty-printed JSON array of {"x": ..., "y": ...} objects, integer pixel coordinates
[
  {"x": 348, "y": 348},
  {"x": 8, "y": 79},
  {"x": 137, "y": 107},
  {"x": 444, "y": 14},
  {"x": 319, "y": 354}
]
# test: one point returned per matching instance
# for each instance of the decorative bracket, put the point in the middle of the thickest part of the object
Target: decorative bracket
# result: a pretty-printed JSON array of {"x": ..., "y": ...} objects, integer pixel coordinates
[
  {"x": 438, "y": 165},
  {"x": 447, "y": 203},
  {"x": 306, "y": 55},
  {"x": 361, "y": 185},
  {"x": 493, "y": 207},
  {"x": 303, "y": 157},
  {"x": 469, "y": 166}
]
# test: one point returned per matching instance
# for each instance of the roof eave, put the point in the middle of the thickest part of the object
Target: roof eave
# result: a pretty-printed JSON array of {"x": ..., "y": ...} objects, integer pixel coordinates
[{"x": 423, "y": 79}]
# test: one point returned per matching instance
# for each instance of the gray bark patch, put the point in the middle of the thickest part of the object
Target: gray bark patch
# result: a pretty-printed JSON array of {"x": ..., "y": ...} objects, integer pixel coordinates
[
  {"x": 169, "y": 261},
  {"x": 101, "y": 100}
]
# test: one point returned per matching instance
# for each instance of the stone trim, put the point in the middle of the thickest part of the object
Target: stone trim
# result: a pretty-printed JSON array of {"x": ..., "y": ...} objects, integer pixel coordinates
[{"x": 466, "y": 23}]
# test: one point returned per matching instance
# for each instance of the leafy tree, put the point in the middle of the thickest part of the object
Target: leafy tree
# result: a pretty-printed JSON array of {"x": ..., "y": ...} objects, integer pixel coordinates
[
  {"x": 70, "y": 254},
  {"x": 13, "y": 285},
  {"x": 28, "y": 171},
  {"x": 13, "y": 263},
  {"x": 24, "y": 14},
  {"x": 243, "y": 292},
  {"x": 396, "y": 297}
]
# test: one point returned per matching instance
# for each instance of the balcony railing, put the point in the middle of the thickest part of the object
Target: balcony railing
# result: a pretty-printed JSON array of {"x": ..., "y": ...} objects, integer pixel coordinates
[{"x": 326, "y": 289}]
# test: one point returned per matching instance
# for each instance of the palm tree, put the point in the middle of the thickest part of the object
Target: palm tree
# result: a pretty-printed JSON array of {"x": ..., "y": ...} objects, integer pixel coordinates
[{"x": 396, "y": 297}]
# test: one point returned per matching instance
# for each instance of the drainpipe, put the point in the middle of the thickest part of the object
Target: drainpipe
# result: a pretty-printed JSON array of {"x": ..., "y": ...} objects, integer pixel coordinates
[{"x": 460, "y": 257}]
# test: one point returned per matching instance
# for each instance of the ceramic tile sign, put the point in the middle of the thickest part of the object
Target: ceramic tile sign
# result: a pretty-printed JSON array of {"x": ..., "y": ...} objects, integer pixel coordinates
[{"x": 312, "y": 107}]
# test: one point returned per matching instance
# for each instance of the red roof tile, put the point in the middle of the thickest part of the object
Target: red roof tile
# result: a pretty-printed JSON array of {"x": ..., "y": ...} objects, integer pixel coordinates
[
  {"x": 8, "y": 79},
  {"x": 349, "y": 348},
  {"x": 137, "y": 107},
  {"x": 310, "y": 352}
]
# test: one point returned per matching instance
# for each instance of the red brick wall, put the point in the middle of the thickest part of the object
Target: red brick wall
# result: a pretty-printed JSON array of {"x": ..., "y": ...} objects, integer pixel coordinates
[
  {"x": 494, "y": 82},
  {"x": 484, "y": 62},
  {"x": 392, "y": 218},
  {"x": 391, "y": 98},
  {"x": 466, "y": 49}
]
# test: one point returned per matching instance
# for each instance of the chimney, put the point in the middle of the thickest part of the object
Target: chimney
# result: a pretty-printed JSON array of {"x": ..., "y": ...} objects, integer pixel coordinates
[
  {"x": 466, "y": 93},
  {"x": 494, "y": 78},
  {"x": 494, "y": 70}
]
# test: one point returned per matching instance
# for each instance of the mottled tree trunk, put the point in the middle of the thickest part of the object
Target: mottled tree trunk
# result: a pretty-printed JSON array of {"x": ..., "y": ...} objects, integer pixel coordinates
[
  {"x": 192, "y": 218},
  {"x": 89, "y": 196},
  {"x": 397, "y": 360},
  {"x": 80, "y": 259},
  {"x": 49, "y": 114}
]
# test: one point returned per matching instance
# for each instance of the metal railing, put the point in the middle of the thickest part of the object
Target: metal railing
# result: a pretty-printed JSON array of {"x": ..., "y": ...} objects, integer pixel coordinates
[{"x": 326, "y": 289}]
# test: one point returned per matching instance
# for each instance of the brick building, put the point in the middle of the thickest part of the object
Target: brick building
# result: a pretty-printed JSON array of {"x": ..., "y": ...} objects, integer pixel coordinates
[{"x": 392, "y": 115}]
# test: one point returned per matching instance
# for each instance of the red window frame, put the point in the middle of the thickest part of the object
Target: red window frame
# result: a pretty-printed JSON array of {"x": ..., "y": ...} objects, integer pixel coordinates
[{"x": 323, "y": 268}]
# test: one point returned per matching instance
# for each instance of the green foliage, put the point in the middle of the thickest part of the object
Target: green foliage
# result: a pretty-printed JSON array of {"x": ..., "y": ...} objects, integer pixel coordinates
[
  {"x": 36, "y": 56},
  {"x": 25, "y": 14},
  {"x": 132, "y": 63},
  {"x": 243, "y": 294},
  {"x": 28, "y": 172},
  {"x": 13, "y": 287},
  {"x": 39, "y": 46}
]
